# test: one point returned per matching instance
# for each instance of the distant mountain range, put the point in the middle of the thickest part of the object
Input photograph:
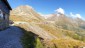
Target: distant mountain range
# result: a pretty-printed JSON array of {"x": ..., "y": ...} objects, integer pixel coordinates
[
  {"x": 63, "y": 31},
  {"x": 67, "y": 22}
]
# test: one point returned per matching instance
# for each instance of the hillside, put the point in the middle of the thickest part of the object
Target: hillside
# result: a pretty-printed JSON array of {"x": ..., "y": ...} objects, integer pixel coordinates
[
  {"x": 54, "y": 32},
  {"x": 67, "y": 23},
  {"x": 28, "y": 14}
]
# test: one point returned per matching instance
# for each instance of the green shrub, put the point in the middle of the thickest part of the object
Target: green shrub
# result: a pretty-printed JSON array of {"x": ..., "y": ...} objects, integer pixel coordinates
[
  {"x": 38, "y": 44},
  {"x": 30, "y": 40}
]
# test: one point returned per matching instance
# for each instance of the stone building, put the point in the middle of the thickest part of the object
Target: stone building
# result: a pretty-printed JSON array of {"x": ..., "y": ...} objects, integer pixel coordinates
[{"x": 4, "y": 14}]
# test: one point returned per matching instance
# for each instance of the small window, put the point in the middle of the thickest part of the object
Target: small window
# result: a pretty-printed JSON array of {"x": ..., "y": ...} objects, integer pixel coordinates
[
  {"x": 4, "y": 16},
  {"x": 1, "y": 14}
]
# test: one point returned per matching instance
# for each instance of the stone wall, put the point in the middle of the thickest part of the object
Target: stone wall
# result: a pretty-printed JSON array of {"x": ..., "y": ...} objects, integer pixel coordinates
[{"x": 4, "y": 15}]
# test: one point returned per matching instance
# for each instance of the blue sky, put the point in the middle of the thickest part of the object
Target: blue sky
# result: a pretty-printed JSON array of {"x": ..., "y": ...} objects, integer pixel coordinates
[{"x": 49, "y": 6}]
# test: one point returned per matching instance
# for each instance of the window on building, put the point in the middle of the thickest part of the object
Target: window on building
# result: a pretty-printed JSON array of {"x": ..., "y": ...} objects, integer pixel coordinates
[
  {"x": 4, "y": 16},
  {"x": 1, "y": 14}
]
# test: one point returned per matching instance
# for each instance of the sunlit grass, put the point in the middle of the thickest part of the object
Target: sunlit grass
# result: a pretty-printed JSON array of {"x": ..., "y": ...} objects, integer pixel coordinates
[{"x": 30, "y": 40}]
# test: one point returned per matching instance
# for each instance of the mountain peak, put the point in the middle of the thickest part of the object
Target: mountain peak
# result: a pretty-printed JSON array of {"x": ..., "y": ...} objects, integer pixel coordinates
[
  {"x": 24, "y": 7},
  {"x": 27, "y": 12}
]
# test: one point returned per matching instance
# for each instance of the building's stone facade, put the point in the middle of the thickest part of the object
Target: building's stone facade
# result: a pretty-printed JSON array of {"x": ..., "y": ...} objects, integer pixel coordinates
[{"x": 4, "y": 14}]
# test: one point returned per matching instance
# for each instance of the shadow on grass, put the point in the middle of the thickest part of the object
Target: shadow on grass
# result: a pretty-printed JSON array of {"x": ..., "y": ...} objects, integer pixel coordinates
[{"x": 30, "y": 40}]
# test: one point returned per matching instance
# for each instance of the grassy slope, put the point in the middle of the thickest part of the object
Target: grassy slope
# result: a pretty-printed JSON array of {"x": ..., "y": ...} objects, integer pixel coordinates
[
  {"x": 23, "y": 19},
  {"x": 66, "y": 38},
  {"x": 60, "y": 33},
  {"x": 71, "y": 39},
  {"x": 30, "y": 40}
]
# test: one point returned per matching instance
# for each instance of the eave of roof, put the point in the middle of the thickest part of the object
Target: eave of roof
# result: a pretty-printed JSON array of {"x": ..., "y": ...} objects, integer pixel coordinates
[{"x": 6, "y": 2}]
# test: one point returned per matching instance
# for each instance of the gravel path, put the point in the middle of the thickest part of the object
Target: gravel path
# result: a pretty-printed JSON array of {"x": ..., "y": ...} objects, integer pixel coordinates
[{"x": 10, "y": 38}]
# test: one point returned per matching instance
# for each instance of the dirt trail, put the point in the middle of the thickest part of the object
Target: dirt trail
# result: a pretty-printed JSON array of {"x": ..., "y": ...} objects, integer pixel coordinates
[{"x": 10, "y": 38}]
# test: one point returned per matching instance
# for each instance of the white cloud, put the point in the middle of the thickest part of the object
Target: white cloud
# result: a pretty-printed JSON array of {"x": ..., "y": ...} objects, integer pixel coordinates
[
  {"x": 45, "y": 15},
  {"x": 41, "y": 14},
  {"x": 60, "y": 10},
  {"x": 78, "y": 15},
  {"x": 75, "y": 15},
  {"x": 72, "y": 14}
]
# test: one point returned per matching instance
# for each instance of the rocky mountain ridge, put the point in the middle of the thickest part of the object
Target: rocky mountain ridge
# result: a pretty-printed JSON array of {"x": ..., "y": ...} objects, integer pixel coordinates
[{"x": 54, "y": 29}]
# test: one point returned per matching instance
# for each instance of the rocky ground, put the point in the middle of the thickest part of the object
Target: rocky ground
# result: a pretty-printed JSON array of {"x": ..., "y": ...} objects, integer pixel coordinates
[{"x": 10, "y": 38}]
